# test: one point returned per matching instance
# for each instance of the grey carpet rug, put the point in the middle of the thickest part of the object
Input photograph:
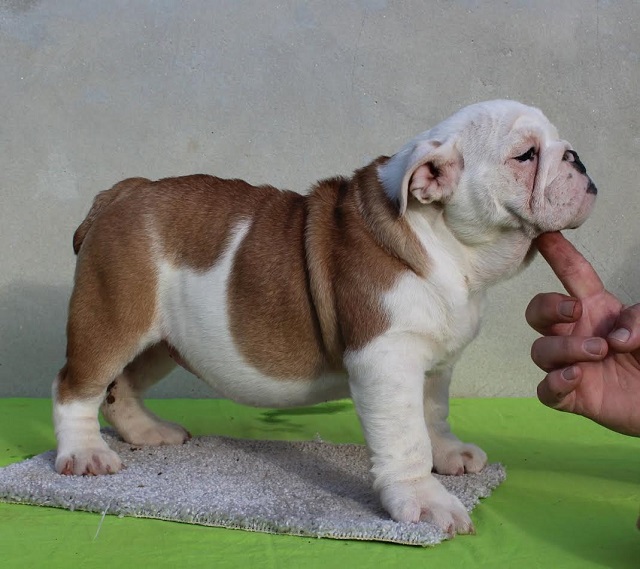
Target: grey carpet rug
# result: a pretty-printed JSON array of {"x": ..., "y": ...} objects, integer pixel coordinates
[{"x": 302, "y": 488}]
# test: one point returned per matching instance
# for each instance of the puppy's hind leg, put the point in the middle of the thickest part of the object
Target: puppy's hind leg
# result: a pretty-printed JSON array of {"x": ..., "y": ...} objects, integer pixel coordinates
[
  {"x": 123, "y": 406},
  {"x": 81, "y": 449},
  {"x": 78, "y": 392},
  {"x": 112, "y": 319}
]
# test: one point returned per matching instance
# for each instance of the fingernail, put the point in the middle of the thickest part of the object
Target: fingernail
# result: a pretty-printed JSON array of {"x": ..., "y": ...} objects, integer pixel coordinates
[
  {"x": 621, "y": 334},
  {"x": 593, "y": 346},
  {"x": 566, "y": 308},
  {"x": 569, "y": 373}
]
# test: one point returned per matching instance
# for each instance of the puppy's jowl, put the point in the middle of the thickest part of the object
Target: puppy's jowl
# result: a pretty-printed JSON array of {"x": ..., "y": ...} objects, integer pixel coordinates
[{"x": 368, "y": 287}]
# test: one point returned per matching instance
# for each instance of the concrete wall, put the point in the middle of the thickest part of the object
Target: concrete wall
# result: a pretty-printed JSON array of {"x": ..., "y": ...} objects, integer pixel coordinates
[{"x": 92, "y": 91}]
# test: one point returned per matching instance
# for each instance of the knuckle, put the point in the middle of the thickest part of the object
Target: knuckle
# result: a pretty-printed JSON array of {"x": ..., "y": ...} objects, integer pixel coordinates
[{"x": 566, "y": 345}]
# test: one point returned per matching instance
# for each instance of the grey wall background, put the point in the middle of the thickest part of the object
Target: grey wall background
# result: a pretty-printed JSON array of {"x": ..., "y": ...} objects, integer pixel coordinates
[{"x": 93, "y": 91}]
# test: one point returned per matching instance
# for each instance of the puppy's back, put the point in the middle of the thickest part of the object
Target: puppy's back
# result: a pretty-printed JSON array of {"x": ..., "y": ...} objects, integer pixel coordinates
[{"x": 186, "y": 219}]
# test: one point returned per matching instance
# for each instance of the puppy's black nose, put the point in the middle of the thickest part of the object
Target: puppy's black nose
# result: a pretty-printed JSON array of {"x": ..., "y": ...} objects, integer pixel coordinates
[{"x": 572, "y": 157}]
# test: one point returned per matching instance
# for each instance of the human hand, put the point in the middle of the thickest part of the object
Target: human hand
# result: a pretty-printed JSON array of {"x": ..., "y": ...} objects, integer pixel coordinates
[{"x": 590, "y": 345}]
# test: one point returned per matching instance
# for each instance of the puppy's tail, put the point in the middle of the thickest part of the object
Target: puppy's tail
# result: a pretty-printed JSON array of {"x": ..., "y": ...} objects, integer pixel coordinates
[{"x": 102, "y": 201}]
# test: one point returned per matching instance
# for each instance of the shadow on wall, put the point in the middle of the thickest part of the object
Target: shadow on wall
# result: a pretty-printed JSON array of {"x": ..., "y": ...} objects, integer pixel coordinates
[
  {"x": 32, "y": 338},
  {"x": 33, "y": 319},
  {"x": 625, "y": 282}
]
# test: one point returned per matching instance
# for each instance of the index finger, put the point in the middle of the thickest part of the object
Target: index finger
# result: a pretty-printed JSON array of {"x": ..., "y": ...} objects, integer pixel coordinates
[{"x": 574, "y": 271}]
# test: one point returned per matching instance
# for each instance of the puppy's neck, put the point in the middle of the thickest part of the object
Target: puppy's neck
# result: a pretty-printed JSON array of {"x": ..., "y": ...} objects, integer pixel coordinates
[
  {"x": 484, "y": 262},
  {"x": 501, "y": 258}
]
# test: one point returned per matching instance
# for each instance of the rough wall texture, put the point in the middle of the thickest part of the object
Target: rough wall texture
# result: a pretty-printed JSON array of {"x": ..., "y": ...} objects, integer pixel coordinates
[{"x": 289, "y": 92}]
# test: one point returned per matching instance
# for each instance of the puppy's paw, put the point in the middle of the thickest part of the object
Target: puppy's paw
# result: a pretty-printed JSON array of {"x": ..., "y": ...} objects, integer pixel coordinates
[
  {"x": 426, "y": 499},
  {"x": 156, "y": 433},
  {"x": 456, "y": 457},
  {"x": 88, "y": 462}
]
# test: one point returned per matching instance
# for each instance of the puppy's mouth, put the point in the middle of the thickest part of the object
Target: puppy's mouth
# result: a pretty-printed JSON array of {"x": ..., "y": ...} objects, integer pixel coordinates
[{"x": 553, "y": 211}]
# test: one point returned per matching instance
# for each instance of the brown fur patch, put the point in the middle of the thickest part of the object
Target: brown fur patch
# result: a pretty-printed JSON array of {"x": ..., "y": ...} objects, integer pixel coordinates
[
  {"x": 193, "y": 215},
  {"x": 102, "y": 201},
  {"x": 357, "y": 247},
  {"x": 271, "y": 314},
  {"x": 307, "y": 280},
  {"x": 392, "y": 231}
]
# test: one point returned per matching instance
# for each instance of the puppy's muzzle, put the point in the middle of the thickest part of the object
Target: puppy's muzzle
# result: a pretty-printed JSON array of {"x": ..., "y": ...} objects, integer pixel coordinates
[{"x": 572, "y": 157}]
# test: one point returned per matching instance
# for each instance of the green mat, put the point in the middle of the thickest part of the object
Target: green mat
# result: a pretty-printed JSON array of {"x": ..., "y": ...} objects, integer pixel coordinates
[{"x": 571, "y": 498}]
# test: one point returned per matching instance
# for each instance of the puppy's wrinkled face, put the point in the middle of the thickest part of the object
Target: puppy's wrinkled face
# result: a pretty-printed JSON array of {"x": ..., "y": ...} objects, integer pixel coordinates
[
  {"x": 517, "y": 174},
  {"x": 493, "y": 166},
  {"x": 551, "y": 188}
]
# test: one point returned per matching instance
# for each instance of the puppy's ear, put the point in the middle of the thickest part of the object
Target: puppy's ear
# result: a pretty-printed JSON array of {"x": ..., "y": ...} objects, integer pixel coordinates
[{"x": 429, "y": 170}]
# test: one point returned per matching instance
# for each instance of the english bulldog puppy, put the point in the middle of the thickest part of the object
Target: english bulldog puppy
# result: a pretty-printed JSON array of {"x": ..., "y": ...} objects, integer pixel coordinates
[{"x": 367, "y": 287}]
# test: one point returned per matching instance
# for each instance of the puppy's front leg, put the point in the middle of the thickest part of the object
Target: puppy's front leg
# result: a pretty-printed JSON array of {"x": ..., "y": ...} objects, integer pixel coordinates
[
  {"x": 387, "y": 389},
  {"x": 450, "y": 454}
]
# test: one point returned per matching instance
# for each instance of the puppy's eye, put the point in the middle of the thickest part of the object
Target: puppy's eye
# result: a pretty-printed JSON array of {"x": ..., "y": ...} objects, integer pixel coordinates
[{"x": 528, "y": 155}]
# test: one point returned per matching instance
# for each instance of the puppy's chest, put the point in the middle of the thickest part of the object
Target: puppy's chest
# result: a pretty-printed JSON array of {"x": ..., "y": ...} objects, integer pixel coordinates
[{"x": 444, "y": 314}]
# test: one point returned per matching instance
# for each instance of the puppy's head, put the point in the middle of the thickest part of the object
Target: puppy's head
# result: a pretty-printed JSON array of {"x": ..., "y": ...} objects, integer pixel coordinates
[{"x": 492, "y": 166}]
